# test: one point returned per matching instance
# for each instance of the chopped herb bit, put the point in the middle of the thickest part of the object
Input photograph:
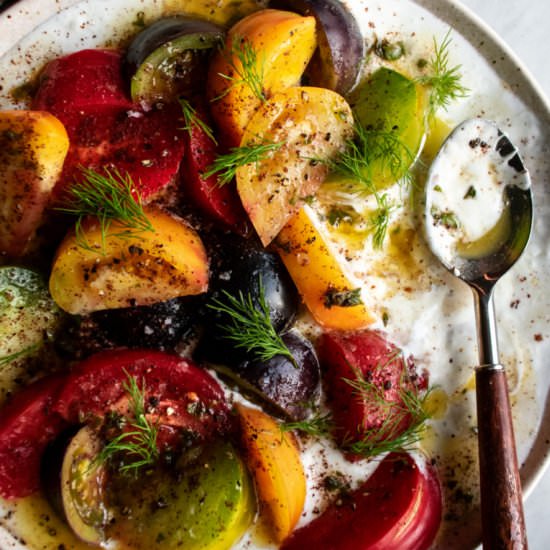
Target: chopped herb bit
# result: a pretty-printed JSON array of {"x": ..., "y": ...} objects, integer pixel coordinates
[
  {"x": 318, "y": 425},
  {"x": 342, "y": 297},
  {"x": 138, "y": 445},
  {"x": 385, "y": 318},
  {"x": 248, "y": 70},
  {"x": 139, "y": 20},
  {"x": 192, "y": 119},
  {"x": 226, "y": 165},
  {"x": 447, "y": 218},
  {"x": 471, "y": 193},
  {"x": 108, "y": 197},
  {"x": 250, "y": 327},
  {"x": 438, "y": 188},
  {"x": 422, "y": 63},
  {"x": 444, "y": 81},
  {"x": 390, "y": 51},
  {"x": 338, "y": 215}
]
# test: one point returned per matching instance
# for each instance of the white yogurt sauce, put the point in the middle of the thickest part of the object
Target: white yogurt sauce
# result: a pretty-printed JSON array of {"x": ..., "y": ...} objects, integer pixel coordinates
[{"x": 429, "y": 313}]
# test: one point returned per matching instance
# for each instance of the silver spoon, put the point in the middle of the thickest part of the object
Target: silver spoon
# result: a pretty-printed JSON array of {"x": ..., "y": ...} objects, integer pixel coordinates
[{"x": 478, "y": 220}]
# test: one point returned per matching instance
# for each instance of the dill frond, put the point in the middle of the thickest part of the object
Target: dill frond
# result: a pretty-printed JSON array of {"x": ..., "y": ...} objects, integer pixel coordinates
[
  {"x": 389, "y": 436},
  {"x": 226, "y": 165},
  {"x": 192, "y": 119},
  {"x": 249, "y": 70},
  {"x": 29, "y": 350},
  {"x": 443, "y": 80},
  {"x": 380, "y": 220},
  {"x": 319, "y": 425},
  {"x": 251, "y": 328},
  {"x": 108, "y": 197},
  {"x": 139, "y": 444}
]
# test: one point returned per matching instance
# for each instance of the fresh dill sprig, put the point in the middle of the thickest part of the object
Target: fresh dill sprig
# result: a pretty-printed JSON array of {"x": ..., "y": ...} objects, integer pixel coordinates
[
  {"x": 380, "y": 219},
  {"x": 109, "y": 197},
  {"x": 29, "y": 350},
  {"x": 249, "y": 70},
  {"x": 192, "y": 119},
  {"x": 318, "y": 425},
  {"x": 367, "y": 149},
  {"x": 389, "y": 435},
  {"x": 226, "y": 165},
  {"x": 251, "y": 328},
  {"x": 139, "y": 443},
  {"x": 443, "y": 80}
]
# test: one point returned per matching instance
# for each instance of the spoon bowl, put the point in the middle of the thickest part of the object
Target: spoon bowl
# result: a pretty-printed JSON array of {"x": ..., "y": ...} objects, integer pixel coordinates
[{"x": 478, "y": 220}]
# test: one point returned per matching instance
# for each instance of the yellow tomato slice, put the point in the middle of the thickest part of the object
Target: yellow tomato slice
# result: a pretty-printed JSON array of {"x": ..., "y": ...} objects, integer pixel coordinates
[
  {"x": 122, "y": 271},
  {"x": 33, "y": 146},
  {"x": 274, "y": 461},
  {"x": 221, "y": 12},
  {"x": 320, "y": 275},
  {"x": 311, "y": 125},
  {"x": 275, "y": 47}
]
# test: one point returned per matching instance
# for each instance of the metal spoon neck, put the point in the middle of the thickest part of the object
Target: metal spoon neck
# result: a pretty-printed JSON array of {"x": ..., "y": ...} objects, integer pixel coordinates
[{"x": 487, "y": 340}]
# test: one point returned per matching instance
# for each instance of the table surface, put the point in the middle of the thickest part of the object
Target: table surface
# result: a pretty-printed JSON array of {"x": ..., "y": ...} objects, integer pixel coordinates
[{"x": 524, "y": 27}]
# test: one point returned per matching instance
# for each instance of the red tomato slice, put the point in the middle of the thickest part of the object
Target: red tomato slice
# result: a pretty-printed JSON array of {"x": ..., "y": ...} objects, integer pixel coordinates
[
  {"x": 397, "y": 508},
  {"x": 181, "y": 394},
  {"x": 28, "y": 424},
  {"x": 366, "y": 356},
  {"x": 148, "y": 146},
  {"x": 86, "y": 91},
  {"x": 219, "y": 203},
  {"x": 80, "y": 80}
]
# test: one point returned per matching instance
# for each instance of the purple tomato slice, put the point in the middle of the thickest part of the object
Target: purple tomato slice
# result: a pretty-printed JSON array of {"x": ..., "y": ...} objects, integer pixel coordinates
[
  {"x": 27, "y": 424},
  {"x": 397, "y": 508}
]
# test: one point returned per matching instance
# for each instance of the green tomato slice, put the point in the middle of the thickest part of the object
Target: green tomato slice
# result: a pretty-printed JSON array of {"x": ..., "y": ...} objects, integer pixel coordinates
[
  {"x": 173, "y": 68},
  {"x": 28, "y": 320},
  {"x": 208, "y": 505},
  {"x": 391, "y": 108}
]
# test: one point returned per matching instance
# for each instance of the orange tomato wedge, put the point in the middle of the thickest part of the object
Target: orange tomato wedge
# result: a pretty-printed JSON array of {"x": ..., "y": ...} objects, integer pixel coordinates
[
  {"x": 319, "y": 274},
  {"x": 274, "y": 461},
  {"x": 96, "y": 273},
  {"x": 275, "y": 47}
]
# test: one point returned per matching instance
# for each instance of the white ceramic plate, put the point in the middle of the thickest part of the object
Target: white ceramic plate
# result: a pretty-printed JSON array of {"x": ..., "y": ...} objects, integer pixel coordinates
[{"x": 36, "y": 30}]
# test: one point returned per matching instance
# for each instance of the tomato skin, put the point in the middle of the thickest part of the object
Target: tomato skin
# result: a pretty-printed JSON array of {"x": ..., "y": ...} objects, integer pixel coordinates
[
  {"x": 28, "y": 423},
  {"x": 221, "y": 203},
  {"x": 366, "y": 355},
  {"x": 82, "y": 79},
  {"x": 96, "y": 386},
  {"x": 397, "y": 508}
]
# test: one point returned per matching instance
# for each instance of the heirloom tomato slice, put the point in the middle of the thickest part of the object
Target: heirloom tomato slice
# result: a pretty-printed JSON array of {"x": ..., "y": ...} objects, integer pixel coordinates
[
  {"x": 397, "y": 508},
  {"x": 183, "y": 395},
  {"x": 371, "y": 387},
  {"x": 308, "y": 126},
  {"x": 28, "y": 423}
]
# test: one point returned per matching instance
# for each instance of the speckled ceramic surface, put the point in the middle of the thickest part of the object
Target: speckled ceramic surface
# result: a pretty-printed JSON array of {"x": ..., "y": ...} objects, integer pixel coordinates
[{"x": 534, "y": 114}]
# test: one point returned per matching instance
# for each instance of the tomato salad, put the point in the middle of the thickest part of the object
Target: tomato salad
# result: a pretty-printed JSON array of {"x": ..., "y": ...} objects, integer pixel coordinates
[{"x": 176, "y": 310}]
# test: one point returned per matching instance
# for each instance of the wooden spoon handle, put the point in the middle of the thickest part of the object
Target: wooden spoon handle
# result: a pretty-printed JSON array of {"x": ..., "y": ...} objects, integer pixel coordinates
[{"x": 501, "y": 498}]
